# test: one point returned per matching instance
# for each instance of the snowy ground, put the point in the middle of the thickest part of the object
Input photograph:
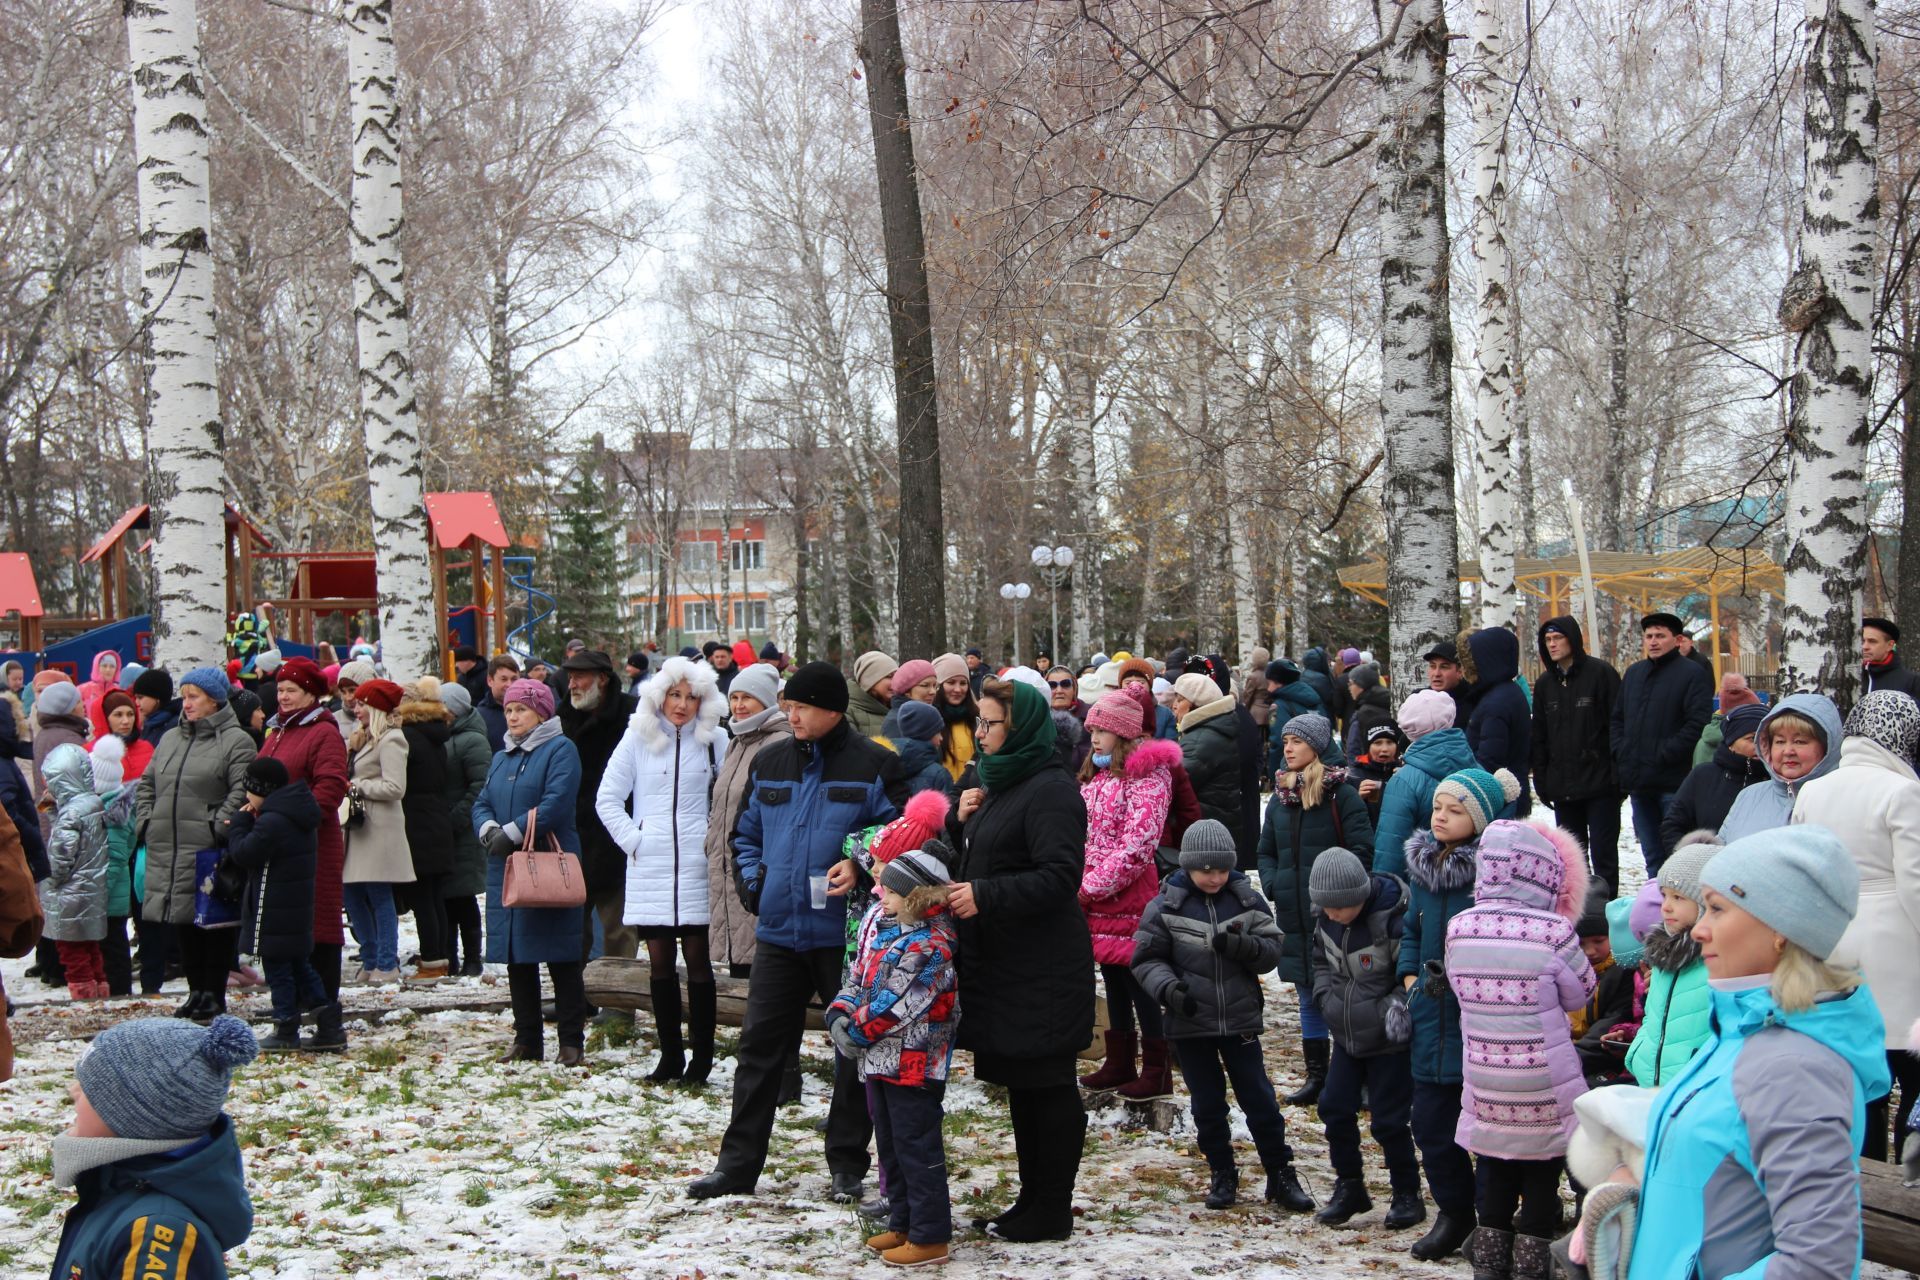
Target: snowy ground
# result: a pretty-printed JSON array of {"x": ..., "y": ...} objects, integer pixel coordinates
[{"x": 416, "y": 1155}]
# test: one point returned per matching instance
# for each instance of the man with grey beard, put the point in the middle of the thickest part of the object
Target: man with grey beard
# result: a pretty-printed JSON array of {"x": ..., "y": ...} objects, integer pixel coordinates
[{"x": 593, "y": 716}]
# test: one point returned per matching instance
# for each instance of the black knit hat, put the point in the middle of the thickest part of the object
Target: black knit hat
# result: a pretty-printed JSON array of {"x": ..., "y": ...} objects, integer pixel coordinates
[
  {"x": 154, "y": 683},
  {"x": 818, "y": 684},
  {"x": 1593, "y": 914},
  {"x": 265, "y": 776}
]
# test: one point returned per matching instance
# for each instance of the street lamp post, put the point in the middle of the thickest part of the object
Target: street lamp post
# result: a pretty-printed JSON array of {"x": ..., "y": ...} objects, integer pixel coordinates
[
  {"x": 1015, "y": 594},
  {"x": 1054, "y": 564}
]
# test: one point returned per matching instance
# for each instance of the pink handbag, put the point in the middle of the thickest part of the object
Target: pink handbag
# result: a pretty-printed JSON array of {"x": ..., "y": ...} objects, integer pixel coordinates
[{"x": 549, "y": 877}]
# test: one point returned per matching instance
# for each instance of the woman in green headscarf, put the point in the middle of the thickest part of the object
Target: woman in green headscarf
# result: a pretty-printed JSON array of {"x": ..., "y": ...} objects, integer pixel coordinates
[{"x": 1025, "y": 956}]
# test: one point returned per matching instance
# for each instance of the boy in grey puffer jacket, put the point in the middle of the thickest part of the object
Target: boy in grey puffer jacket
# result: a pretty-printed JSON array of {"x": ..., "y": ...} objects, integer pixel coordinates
[
  {"x": 1200, "y": 950},
  {"x": 1358, "y": 922},
  {"x": 74, "y": 894}
]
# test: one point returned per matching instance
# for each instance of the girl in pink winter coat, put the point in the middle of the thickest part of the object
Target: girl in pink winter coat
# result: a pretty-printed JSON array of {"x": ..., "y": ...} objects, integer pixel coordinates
[{"x": 1127, "y": 783}]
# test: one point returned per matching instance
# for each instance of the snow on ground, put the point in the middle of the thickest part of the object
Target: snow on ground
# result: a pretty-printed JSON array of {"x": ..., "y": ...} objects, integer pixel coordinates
[{"x": 415, "y": 1154}]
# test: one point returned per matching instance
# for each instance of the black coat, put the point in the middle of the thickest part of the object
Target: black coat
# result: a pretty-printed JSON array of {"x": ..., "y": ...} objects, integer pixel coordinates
[
  {"x": 1500, "y": 730},
  {"x": 1704, "y": 798},
  {"x": 280, "y": 850},
  {"x": 1026, "y": 961},
  {"x": 1663, "y": 705},
  {"x": 1211, "y": 751},
  {"x": 429, "y": 821},
  {"x": 1573, "y": 722},
  {"x": 1894, "y": 676},
  {"x": 1253, "y": 763},
  {"x": 594, "y": 735}
]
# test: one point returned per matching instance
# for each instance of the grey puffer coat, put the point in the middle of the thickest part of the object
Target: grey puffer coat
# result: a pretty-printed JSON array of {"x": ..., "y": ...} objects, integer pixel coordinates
[
  {"x": 185, "y": 800},
  {"x": 1355, "y": 978},
  {"x": 730, "y": 925},
  {"x": 1175, "y": 944},
  {"x": 74, "y": 894}
]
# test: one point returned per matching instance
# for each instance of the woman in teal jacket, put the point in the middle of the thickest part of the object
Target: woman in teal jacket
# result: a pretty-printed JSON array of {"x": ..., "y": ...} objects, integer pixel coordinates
[
  {"x": 1752, "y": 1166},
  {"x": 1406, "y": 804}
]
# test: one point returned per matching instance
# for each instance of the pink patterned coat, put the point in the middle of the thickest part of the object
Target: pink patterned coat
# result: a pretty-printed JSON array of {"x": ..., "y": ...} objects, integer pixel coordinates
[
  {"x": 1515, "y": 965},
  {"x": 1125, "y": 814}
]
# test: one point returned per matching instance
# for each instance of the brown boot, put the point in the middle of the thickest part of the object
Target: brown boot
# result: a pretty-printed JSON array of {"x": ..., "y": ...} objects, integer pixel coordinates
[
  {"x": 1118, "y": 1069},
  {"x": 915, "y": 1255},
  {"x": 1156, "y": 1073},
  {"x": 428, "y": 972}
]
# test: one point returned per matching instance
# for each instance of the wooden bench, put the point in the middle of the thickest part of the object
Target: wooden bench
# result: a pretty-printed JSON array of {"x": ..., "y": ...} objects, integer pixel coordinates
[{"x": 1890, "y": 1216}]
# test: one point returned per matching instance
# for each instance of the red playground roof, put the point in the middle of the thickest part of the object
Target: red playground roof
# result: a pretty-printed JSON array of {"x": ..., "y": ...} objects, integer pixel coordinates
[
  {"x": 455, "y": 517},
  {"x": 137, "y": 518},
  {"x": 19, "y": 593},
  {"x": 340, "y": 576}
]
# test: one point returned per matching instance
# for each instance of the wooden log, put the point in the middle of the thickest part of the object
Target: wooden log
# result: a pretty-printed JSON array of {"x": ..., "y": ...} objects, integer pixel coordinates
[
  {"x": 1890, "y": 1216},
  {"x": 615, "y": 983}
]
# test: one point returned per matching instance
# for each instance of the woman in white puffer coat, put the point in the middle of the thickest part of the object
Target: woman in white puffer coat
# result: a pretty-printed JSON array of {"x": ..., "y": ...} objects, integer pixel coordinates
[{"x": 653, "y": 800}]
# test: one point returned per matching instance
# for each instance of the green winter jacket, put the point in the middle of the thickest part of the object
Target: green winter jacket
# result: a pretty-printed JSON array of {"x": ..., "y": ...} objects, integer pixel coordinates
[
  {"x": 1677, "y": 1018},
  {"x": 186, "y": 798},
  {"x": 121, "y": 845},
  {"x": 1341, "y": 819},
  {"x": 157, "y": 1215},
  {"x": 468, "y": 759}
]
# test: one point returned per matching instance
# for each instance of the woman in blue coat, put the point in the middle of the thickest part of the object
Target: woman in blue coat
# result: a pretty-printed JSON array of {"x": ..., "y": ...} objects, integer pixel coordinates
[
  {"x": 1752, "y": 1151},
  {"x": 538, "y": 772}
]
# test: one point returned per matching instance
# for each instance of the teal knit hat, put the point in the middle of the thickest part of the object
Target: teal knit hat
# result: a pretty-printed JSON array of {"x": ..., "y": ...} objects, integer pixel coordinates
[
  {"x": 1483, "y": 795},
  {"x": 1627, "y": 949}
]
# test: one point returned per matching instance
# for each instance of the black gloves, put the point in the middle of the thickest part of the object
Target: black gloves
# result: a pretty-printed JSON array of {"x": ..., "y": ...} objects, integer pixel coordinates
[
  {"x": 1436, "y": 984},
  {"x": 1180, "y": 1000},
  {"x": 499, "y": 843},
  {"x": 748, "y": 892},
  {"x": 1235, "y": 945}
]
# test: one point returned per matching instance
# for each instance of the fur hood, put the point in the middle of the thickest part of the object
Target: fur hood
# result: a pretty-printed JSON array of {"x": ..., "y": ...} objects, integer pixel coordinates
[
  {"x": 1151, "y": 754},
  {"x": 422, "y": 711},
  {"x": 1438, "y": 869},
  {"x": 649, "y": 723}
]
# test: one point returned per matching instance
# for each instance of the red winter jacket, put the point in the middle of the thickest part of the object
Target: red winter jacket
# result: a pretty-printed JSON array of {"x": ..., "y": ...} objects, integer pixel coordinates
[{"x": 315, "y": 753}]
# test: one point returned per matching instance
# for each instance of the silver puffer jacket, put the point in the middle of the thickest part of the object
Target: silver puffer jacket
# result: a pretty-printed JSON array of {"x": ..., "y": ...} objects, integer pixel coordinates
[{"x": 74, "y": 894}]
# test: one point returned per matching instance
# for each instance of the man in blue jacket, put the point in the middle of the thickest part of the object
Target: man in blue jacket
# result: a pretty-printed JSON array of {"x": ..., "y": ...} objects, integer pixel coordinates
[{"x": 808, "y": 794}]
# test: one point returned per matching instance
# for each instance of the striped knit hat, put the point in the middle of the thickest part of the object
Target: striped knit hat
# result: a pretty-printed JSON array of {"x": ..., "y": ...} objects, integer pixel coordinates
[{"x": 1483, "y": 795}]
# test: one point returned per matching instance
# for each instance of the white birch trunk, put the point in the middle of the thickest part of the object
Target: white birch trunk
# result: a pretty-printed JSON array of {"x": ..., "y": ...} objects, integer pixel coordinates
[
  {"x": 409, "y": 633},
  {"x": 1296, "y": 602},
  {"x": 1416, "y": 344},
  {"x": 1087, "y": 615},
  {"x": 1828, "y": 304},
  {"x": 176, "y": 301},
  {"x": 1493, "y": 396}
]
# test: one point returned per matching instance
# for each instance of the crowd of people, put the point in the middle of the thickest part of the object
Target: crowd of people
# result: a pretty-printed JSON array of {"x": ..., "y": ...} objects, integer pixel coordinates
[{"x": 944, "y": 856}]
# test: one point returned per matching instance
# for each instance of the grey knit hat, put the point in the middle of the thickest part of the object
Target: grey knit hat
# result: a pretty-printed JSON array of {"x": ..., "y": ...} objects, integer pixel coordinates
[
  {"x": 1314, "y": 730},
  {"x": 455, "y": 698},
  {"x": 1799, "y": 881},
  {"x": 163, "y": 1077},
  {"x": 916, "y": 869},
  {"x": 1366, "y": 675},
  {"x": 1681, "y": 871},
  {"x": 759, "y": 682},
  {"x": 1339, "y": 879},
  {"x": 1208, "y": 846}
]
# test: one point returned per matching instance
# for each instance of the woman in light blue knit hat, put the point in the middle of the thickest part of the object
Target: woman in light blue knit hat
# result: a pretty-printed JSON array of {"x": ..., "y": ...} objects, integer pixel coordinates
[{"x": 1752, "y": 1160}]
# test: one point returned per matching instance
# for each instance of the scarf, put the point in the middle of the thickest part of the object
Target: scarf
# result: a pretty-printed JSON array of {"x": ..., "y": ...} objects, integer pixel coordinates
[
  {"x": 546, "y": 731},
  {"x": 1671, "y": 952},
  {"x": 300, "y": 719},
  {"x": 1290, "y": 795},
  {"x": 1029, "y": 744}
]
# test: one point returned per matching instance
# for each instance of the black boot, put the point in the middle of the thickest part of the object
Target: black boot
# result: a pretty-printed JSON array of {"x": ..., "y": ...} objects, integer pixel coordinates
[
  {"x": 329, "y": 1036},
  {"x": 1491, "y": 1253},
  {"x": 1532, "y": 1258},
  {"x": 702, "y": 1001},
  {"x": 1059, "y": 1129},
  {"x": 666, "y": 1024},
  {"x": 1406, "y": 1209},
  {"x": 1224, "y": 1189},
  {"x": 1349, "y": 1199},
  {"x": 1448, "y": 1232},
  {"x": 1318, "y": 1053},
  {"x": 285, "y": 1038},
  {"x": 1284, "y": 1189}
]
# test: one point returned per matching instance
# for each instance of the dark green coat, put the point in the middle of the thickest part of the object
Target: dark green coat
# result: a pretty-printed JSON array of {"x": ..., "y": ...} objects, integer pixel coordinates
[
  {"x": 1283, "y": 872},
  {"x": 468, "y": 758}
]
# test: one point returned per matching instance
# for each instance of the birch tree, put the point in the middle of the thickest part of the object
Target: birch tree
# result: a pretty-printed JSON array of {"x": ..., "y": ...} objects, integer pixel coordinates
[
  {"x": 1828, "y": 306},
  {"x": 389, "y": 416},
  {"x": 1416, "y": 339},
  {"x": 1493, "y": 392},
  {"x": 176, "y": 305}
]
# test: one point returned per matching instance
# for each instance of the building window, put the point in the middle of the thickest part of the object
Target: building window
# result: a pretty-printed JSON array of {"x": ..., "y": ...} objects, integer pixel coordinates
[
  {"x": 697, "y": 615},
  {"x": 649, "y": 616},
  {"x": 749, "y": 555},
  {"x": 699, "y": 556},
  {"x": 750, "y": 615}
]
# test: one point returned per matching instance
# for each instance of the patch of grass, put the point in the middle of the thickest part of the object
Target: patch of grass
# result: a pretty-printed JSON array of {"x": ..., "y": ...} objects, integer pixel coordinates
[
  {"x": 476, "y": 1194},
  {"x": 617, "y": 1034},
  {"x": 382, "y": 1055}
]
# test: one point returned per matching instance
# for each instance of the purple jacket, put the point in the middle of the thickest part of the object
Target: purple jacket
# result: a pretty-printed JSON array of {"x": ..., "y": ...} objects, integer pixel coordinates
[{"x": 1515, "y": 965}]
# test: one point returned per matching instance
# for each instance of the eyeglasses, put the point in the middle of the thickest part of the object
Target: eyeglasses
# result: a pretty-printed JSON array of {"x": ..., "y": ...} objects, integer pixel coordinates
[{"x": 984, "y": 724}]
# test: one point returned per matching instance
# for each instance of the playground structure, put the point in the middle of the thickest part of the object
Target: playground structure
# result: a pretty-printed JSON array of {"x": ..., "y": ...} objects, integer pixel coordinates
[{"x": 465, "y": 534}]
